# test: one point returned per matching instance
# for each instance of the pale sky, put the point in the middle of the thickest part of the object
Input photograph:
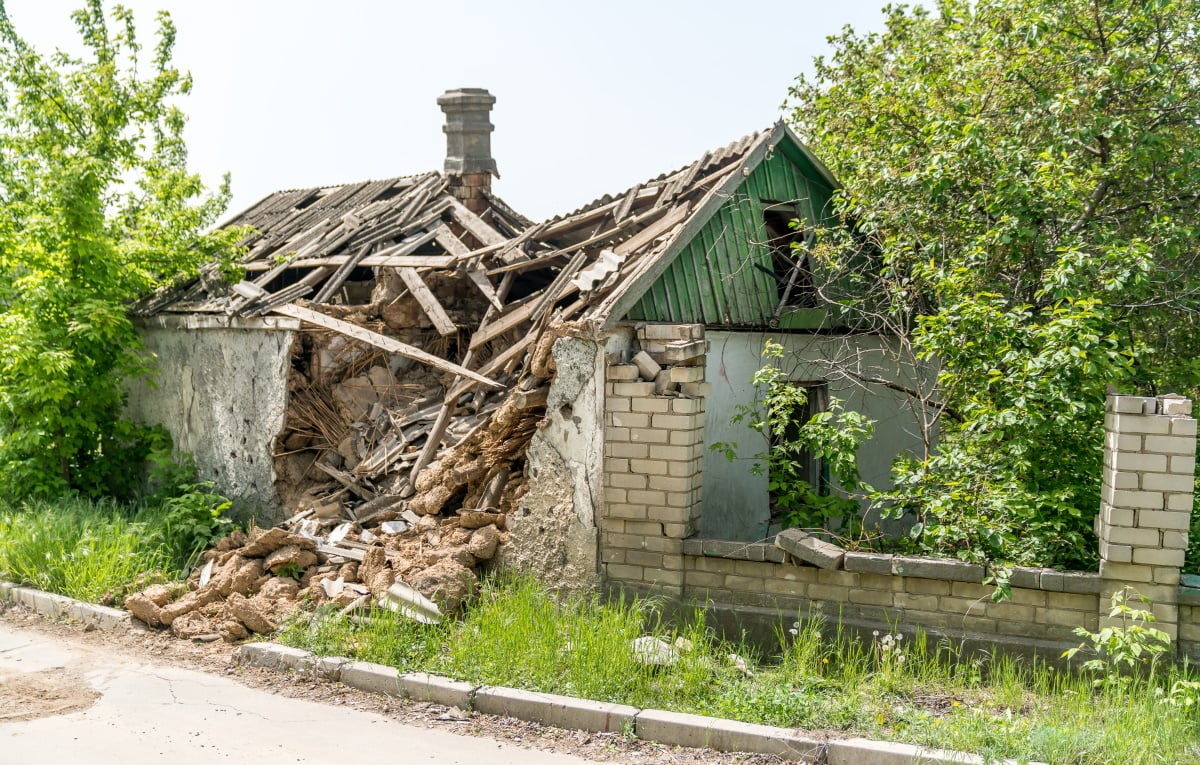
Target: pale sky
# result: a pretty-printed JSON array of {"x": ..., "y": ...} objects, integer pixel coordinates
[{"x": 591, "y": 98}]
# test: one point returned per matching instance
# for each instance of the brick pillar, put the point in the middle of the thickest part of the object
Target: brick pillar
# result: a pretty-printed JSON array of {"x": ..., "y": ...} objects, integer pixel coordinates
[
  {"x": 1146, "y": 500},
  {"x": 654, "y": 455}
]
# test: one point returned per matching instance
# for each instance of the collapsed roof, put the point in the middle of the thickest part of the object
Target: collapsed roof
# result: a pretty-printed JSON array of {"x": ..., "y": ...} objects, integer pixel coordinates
[{"x": 360, "y": 260}]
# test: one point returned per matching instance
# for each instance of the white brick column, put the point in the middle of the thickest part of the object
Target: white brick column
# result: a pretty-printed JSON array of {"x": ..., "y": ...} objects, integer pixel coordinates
[
  {"x": 654, "y": 457},
  {"x": 1146, "y": 500}
]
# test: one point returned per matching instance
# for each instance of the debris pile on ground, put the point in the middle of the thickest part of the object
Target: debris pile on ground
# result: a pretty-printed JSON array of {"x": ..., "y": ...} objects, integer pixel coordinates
[{"x": 250, "y": 583}]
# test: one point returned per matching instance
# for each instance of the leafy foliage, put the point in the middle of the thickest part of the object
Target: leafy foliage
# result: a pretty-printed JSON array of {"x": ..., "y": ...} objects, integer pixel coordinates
[
  {"x": 831, "y": 436},
  {"x": 1128, "y": 645},
  {"x": 96, "y": 208},
  {"x": 1021, "y": 178}
]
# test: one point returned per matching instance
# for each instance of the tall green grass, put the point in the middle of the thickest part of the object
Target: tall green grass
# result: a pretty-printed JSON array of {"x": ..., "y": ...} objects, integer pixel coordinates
[
  {"x": 81, "y": 548},
  {"x": 821, "y": 678}
]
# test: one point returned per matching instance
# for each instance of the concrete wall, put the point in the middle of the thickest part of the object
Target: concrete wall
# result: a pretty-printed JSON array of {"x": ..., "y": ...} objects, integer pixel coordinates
[
  {"x": 554, "y": 533},
  {"x": 755, "y": 587},
  {"x": 735, "y": 500},
  {"x": 221, "y": 391}
]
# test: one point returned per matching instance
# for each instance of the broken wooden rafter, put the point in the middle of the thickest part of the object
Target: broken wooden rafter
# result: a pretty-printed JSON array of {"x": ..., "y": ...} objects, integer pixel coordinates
[
  {"x": 434, "y": 441},
  {"x": 475, "y": 225},
  {"x": 345, "y": 479},
  {"x": 415, "y": 261},
  {"x": 429, "y": 304},
  {"x": 384, "y": 342}
]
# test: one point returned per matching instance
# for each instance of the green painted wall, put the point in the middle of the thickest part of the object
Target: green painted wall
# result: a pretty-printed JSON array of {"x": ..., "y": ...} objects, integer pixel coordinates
[{"x": 713, "y": 281}]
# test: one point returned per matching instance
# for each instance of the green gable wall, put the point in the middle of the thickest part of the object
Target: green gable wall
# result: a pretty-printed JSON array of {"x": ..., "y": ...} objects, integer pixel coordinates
[{"x": 713, "y": 280}]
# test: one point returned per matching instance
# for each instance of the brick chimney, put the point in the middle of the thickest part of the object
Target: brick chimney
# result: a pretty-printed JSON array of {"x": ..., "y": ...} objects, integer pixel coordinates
[{"x": 469, "y": 164}]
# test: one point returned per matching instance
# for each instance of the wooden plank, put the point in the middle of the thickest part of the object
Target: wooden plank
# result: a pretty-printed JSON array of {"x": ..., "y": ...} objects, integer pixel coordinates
[
  {"x": 339, "y": 277},
  {"x": 388, "y": 344},
  {"x": 479, "y": 278},
  {"x": 415, "y": 261},
  {"x": 477, "y": 226},
  {"x": 450, "y": 243},
  {"x": 508, "y": 321},
  {"x": 429, "y": 304}
]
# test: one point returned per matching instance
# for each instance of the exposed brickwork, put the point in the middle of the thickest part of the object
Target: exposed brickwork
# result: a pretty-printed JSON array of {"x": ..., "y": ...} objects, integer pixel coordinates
[
  {"x": 653, "y": 475},
  {"x": 654, "y": 457},
  {"x": 1146, "y": 500}
]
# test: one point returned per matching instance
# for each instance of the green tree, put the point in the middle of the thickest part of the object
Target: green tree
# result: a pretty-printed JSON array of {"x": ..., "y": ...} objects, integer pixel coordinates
[
  {"x": 1022, "y": 178},
  {"x": 97, "y": 207}
]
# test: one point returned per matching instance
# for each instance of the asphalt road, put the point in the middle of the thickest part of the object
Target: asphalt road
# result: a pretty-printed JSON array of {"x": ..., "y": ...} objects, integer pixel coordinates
[{"x": 129, "y": 712}]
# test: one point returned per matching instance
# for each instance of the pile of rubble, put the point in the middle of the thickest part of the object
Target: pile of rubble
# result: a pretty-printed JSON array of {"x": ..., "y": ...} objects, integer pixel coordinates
[{"x": 250, "y": 583}]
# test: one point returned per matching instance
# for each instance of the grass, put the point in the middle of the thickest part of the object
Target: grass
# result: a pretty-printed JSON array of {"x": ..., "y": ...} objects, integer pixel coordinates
[
  {"x": 822, "y": 678},
  {"x": 84, "y": 549}
]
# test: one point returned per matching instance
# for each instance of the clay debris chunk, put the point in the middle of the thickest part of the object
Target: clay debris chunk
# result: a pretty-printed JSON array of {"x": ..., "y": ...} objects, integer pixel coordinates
[
  {"x": 248, "y": 613},
  {"x": 289, "y": 556},
  {"x": 446, "y": 583},
  {"x": 271, "y": 540}
]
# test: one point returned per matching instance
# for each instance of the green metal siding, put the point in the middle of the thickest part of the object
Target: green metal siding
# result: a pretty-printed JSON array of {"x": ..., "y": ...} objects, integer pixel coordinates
[{"x": 713, "y": 280}]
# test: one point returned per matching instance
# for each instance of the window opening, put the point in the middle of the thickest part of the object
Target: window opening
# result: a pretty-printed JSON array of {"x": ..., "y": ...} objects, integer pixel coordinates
[
  {"x": 789, "y": 244},
  {"x": 795, "y": 475}
]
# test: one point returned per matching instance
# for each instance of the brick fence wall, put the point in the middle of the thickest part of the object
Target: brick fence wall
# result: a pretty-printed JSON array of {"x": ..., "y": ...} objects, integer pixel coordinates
[{"x": 654, "y": 425}]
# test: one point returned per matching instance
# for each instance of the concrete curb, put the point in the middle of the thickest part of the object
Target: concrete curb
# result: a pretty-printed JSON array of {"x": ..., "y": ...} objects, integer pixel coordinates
[
  {"x": 49, "y": 604},
  {"x": 680, "y": 729},
  {"x": 670, "y": 728}
]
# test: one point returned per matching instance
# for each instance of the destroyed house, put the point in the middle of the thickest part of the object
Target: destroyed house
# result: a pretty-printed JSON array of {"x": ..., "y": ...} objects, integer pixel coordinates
[{"x": 414, "y": 348}]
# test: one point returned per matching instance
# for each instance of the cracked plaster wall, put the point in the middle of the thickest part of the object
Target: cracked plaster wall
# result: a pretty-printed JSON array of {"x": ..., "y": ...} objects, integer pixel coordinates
[
  {"x": 221, "y": 391},
  {"x": 554, "y": 532}
]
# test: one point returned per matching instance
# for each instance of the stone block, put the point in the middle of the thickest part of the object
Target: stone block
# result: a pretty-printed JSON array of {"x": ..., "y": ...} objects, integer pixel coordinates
[
  {"x": 683, "y": 350},
  {"x": 1184, "y": 464},
  {"x": 1116, "y": 553},
  {"x": 1021, "y": 576},
  {"x": 1148, "y": 500},
  {"x": 1171, "y": 404},
  {"x": 686, "y": 374},
  {"x": 1120, "y": 535},
  {"x": 621, "y": 373},
  {"x": 1152, "y": 557},
  {"x": 1125, "y": 572},
  {"x": 633, "y": 389},
  {"x": 871, "y": 563},
  {"x": 1137, "y": 461},
  {"x": 687, "y": 405},
  {"x": 1131, "y": 404},
  {"x": 881, "y": 598},
  {"x": 1136, "y": 423},
  {"x": 647, "y": 367},
  {"x": 1168, "y": 482},
  {"x": 652, "y": 405},
  {"x": 926, "y": 586},
  {"x": 1117, "y": 516},
  {"x": 1181, "y": 502},
  {"x": 1174, "y": 444},
  {"x": 937, "y": 568},
  {"x": 1183, "y": 426},
  {"x": 1164, "y": 519},
  {"x": 810, "y": 549}
]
